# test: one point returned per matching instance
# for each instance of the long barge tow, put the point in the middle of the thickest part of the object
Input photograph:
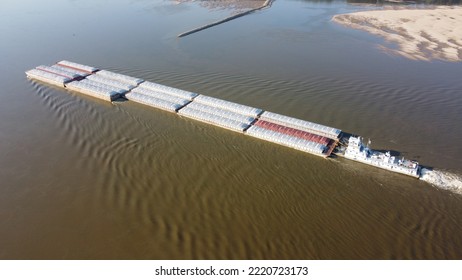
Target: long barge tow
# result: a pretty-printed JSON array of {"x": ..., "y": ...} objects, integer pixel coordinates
[{"x": 295, "y": 133}]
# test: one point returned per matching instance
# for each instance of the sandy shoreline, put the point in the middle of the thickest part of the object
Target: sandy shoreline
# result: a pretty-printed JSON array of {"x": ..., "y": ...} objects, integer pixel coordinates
[{"x": 421, "y": 34}]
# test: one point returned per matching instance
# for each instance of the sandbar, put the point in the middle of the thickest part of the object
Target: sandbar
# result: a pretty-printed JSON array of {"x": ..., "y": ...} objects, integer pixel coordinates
[{"x": 420, "y": 34}]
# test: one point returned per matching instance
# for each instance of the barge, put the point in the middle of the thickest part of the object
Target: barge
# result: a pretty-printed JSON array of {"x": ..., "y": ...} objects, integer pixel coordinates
[{"x": 291, "y": 132}]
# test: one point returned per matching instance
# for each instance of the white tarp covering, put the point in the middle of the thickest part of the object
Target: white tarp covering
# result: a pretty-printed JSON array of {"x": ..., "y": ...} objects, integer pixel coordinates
[
  {"x": 213, "y": 119},
  {"x": 110, "y": 82},
  {"x": 77, "y": 66},
  {"x": 93, "y": 90},
  {"x": 71, "y": 70},
  {"x": 47, "y": 77},
  {"x": 220, "y": 112},
  {"x": 301, "y": 124},
  {"x": 230, "y": 106},
  {"x": 109, "y": 85},
  {"x": 286, "y": 140},
  {"x": 153, "y": 102},
  {"x": 60, "y": 72},
  {"x": 169, "y": 90},
  {"x": 101, "y": 85},
  {"x": 161, "y": 95},
  {"x": 119, "y": 77}
]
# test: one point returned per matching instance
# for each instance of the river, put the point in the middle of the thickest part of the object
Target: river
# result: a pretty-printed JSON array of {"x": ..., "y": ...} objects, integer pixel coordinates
[{"x": 86, "y": 179}]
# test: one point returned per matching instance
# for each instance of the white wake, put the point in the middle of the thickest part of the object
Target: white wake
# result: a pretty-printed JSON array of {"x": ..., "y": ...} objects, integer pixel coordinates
[{"x": 442, "y": 179}]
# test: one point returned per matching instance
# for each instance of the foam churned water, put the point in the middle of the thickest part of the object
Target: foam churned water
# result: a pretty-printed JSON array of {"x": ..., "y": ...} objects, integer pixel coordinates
[{"x": 443, "y": 179}]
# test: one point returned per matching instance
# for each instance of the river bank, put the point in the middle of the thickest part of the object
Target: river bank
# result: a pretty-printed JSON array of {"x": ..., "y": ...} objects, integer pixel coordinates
[{"x": 421, "y": 34}]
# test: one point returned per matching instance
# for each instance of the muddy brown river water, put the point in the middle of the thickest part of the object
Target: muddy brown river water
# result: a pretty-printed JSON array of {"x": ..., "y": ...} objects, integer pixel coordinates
[{"x": 86, "y": 179}]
